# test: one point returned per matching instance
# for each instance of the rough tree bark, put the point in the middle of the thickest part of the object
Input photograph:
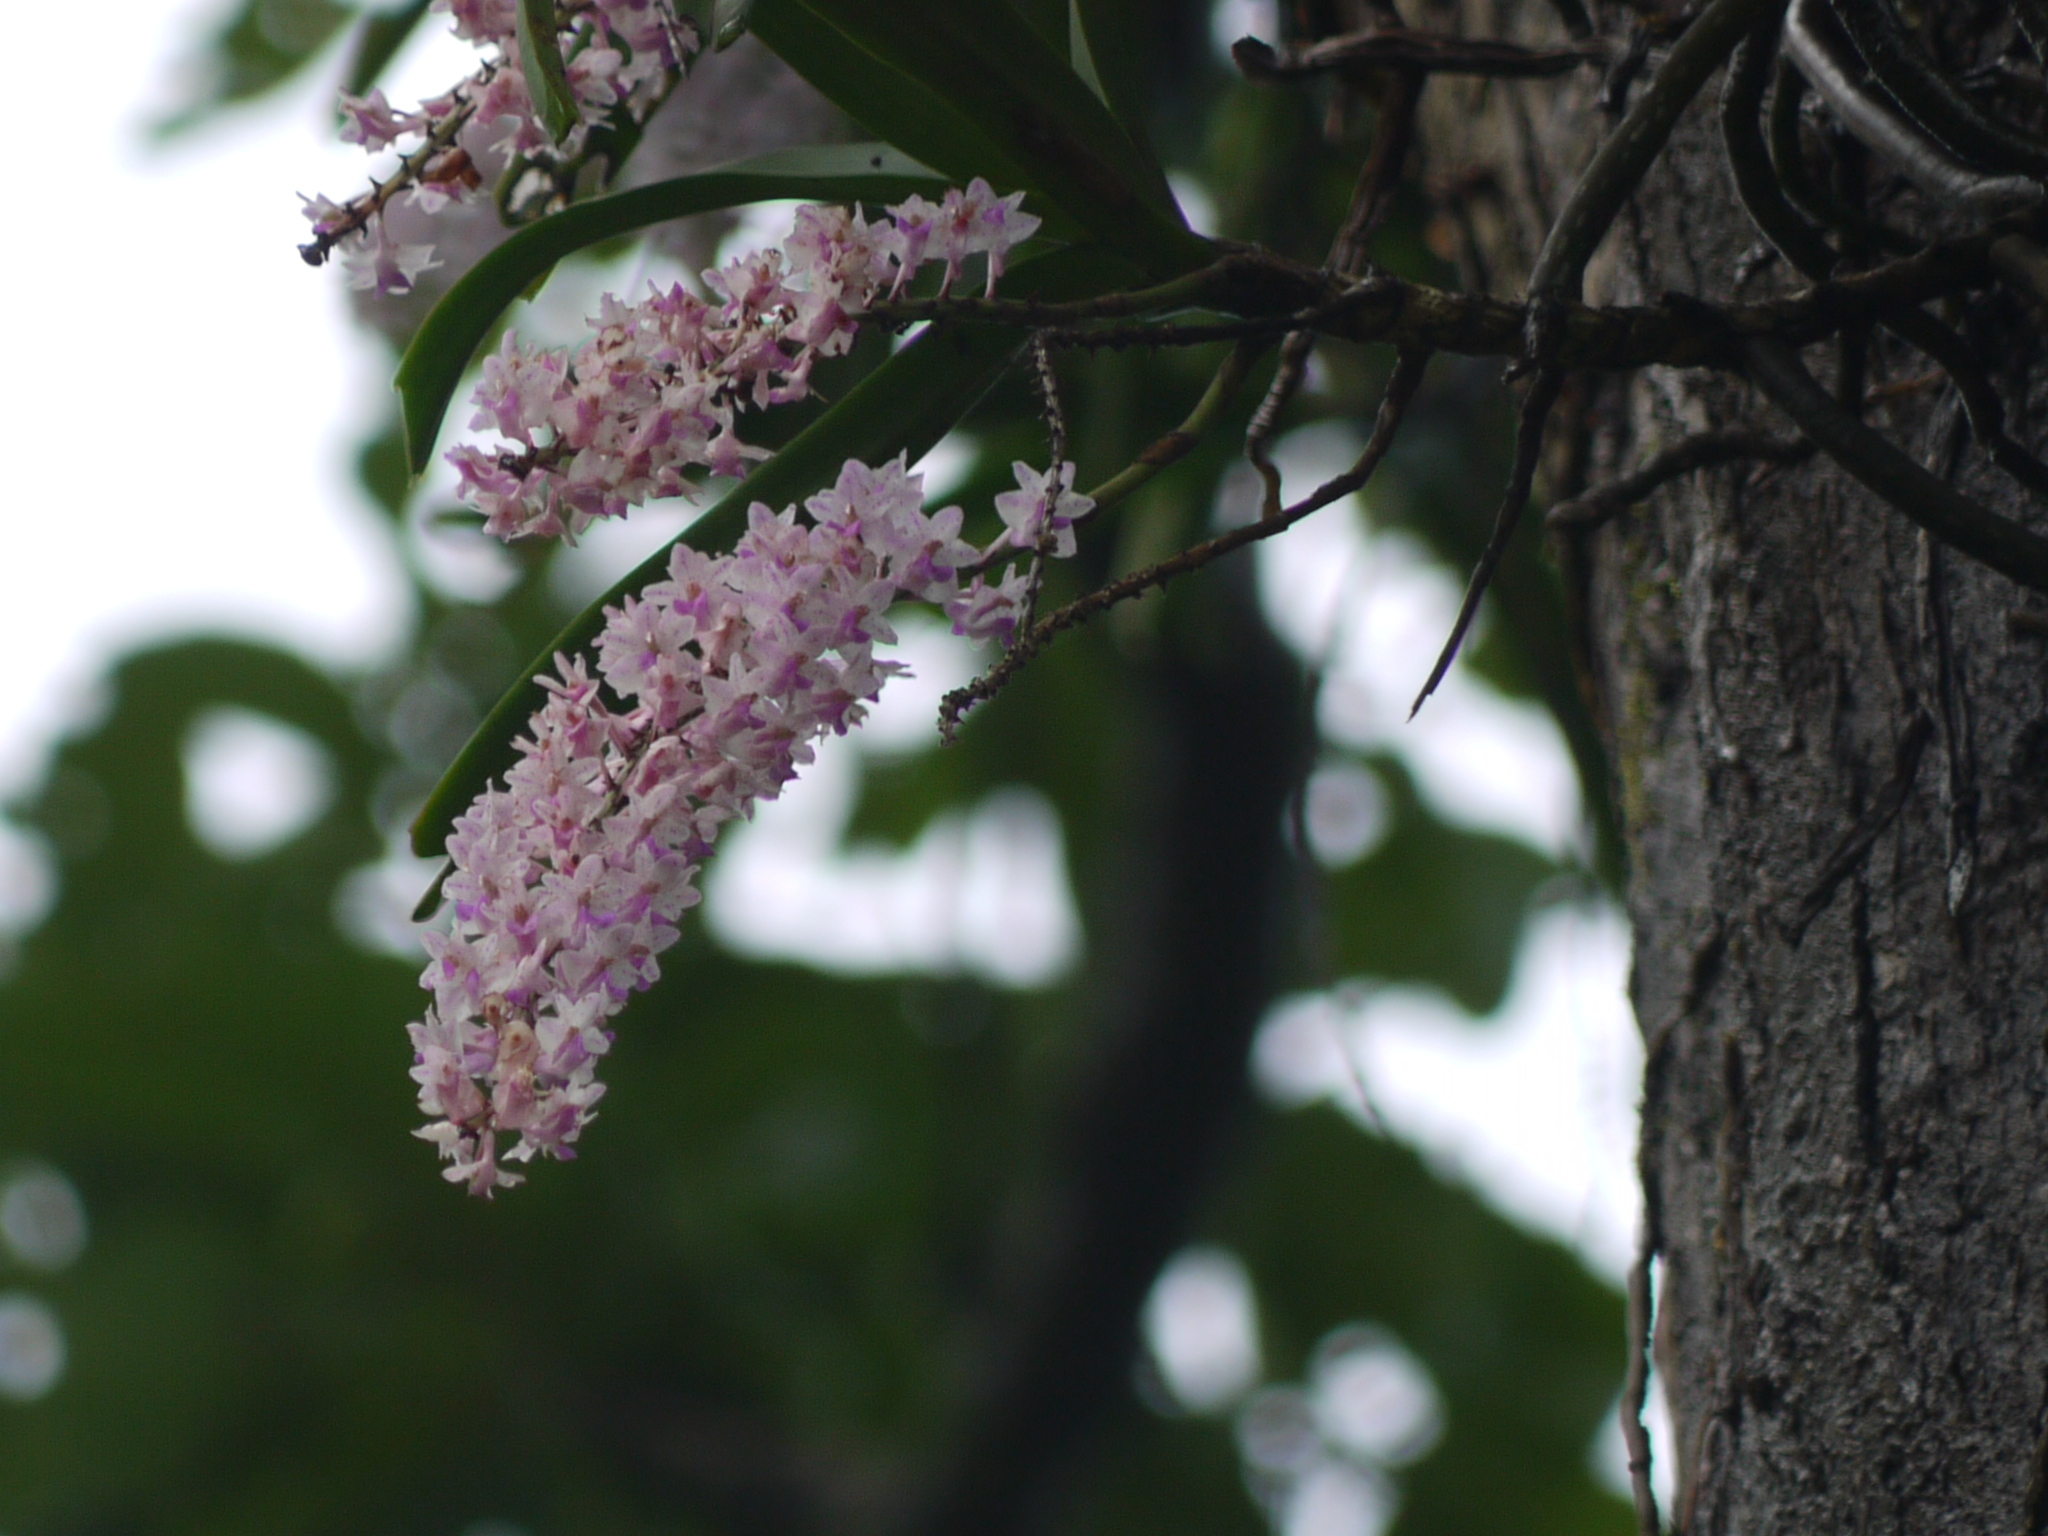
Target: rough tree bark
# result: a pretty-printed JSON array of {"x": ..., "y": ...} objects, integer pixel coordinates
[
  {"x": 1846, "y": 1136},
  {"x": 1830, "y": 745}
]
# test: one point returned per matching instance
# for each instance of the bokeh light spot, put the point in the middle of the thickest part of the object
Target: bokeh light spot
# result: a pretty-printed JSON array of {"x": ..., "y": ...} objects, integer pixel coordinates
[
  {"x": 1372, "y": 1398},
  {"x": 31, "y": 1348},
  {"x": 1344, "y": 811},
  {"x": 252, "y": 783},
  {"x": 1336, "y": 1499},
  {"x": 1201, "y": 1324},
  {"x": 42, "y": 1218}
]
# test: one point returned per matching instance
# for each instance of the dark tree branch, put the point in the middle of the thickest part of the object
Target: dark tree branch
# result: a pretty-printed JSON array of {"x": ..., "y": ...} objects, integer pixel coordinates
[
  {"x": 1883, "y": 468},
  {"x": 1678, "y": 332},
  {"x": 1828, "y": 60},
  {"x": 1393, "y": 135},
  {"x": 1361, "y": 53},
  {"x": 1258, "y": 437},
  {"x": 1805, "y": 248},
  {"x": 1756, "y": 180},
  {"x": 1619, "y": 164},
  {"x": 1188, "y": 964},
  {"x": 1707, "y": 450},
  {"x": 1409, "y": 368},
  {"x": 1810, "y": 197},
  {"x": 1986, "y": 412},
  {"x": 1934, "y": 104}
]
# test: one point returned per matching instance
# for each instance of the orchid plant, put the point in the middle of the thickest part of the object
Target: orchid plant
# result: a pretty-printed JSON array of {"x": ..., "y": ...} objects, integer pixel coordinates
[{"x": 578, "y": 818}]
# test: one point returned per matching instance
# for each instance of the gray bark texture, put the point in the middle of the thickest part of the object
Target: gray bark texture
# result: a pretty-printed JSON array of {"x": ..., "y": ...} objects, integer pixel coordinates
[{"x": 1829, "y": 742}]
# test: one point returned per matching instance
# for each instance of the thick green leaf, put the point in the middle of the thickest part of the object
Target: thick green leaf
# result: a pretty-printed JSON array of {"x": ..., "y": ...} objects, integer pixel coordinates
[
  {"x": 263, "y": 45},
  {"x": 540, "y": 59},
  {"x": 433, "y": 365},
  {"x": 1047, "y": 17},
  {"x": 377, "y": 42},
  {"x": 915, "y": 71},
  {"x": 904, "y": 406},
  {"x": 1109, "y": 36},
  {"x": 890, "y": 105}
]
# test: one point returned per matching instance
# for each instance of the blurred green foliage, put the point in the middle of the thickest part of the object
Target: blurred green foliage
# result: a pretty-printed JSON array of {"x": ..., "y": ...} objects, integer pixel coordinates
[
  {"x": 774, "y": 1293},
  {"x": 262, "y": 44}
]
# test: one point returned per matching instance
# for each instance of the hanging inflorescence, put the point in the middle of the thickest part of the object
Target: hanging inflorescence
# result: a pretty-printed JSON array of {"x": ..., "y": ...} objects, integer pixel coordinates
[{"x": 709, "y": 687}]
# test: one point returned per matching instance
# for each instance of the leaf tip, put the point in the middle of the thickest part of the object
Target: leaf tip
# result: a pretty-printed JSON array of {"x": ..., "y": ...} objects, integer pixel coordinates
[{"x": 729, "y": 23}]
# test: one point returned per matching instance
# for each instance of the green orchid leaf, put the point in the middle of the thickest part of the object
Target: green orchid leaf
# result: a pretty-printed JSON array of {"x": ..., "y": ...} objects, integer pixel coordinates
[
  {"x": 891, "y": 106},
  {"x": 433, "y": 365},
  {"x": 547, "y": 79},
  {"x": 377, "y": 42},
  {"x": 1047, "y": 17},
  {"x": 261, "y": 45},
  {"x": 1108, "y": 45},
  {"x": 978, "y": 91},
  {"x": 905, "y": 406},
  {"x": 1081, "y": 56}
]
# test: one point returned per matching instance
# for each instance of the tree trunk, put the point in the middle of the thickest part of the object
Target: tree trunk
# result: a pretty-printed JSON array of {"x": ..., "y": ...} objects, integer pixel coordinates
[
  {"x": 1829, "y": 741},
  {"x": 1845, "y": 1136}
]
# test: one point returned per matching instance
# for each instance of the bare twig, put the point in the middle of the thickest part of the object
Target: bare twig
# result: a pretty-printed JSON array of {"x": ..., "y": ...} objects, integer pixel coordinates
[
  {"x": 1677, "y": 332},
  {"x": 1204, "y": 285},
  {"x": 1049, "y": 399},
  {"x": 1357, "y": 53},
  {"x": 1756, "y": 179},
  {"x": 1409, "y": 368},
  {"x": 1811, "y": 197},
  {"x": 1294, "y": 354},
  {"x": 1622, "y": 74},
  {"x": 1171, "y": 333},
  {"x": 1048, "y": 381},
  {"x": 1543, "y": 390},
  {"x": 1371, "y": 197},
  {"x": 1986, "y": 412},
  {"x": 437, "y": 151},
  {"x": 1803, "y": 246},
  {"x": 1707, "y": 450}
]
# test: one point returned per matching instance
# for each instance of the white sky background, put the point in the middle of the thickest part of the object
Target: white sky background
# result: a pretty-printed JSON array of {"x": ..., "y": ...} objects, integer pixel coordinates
[
  {"x": 185, "y": 400},
  {"x": 184, "y": 394}
]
